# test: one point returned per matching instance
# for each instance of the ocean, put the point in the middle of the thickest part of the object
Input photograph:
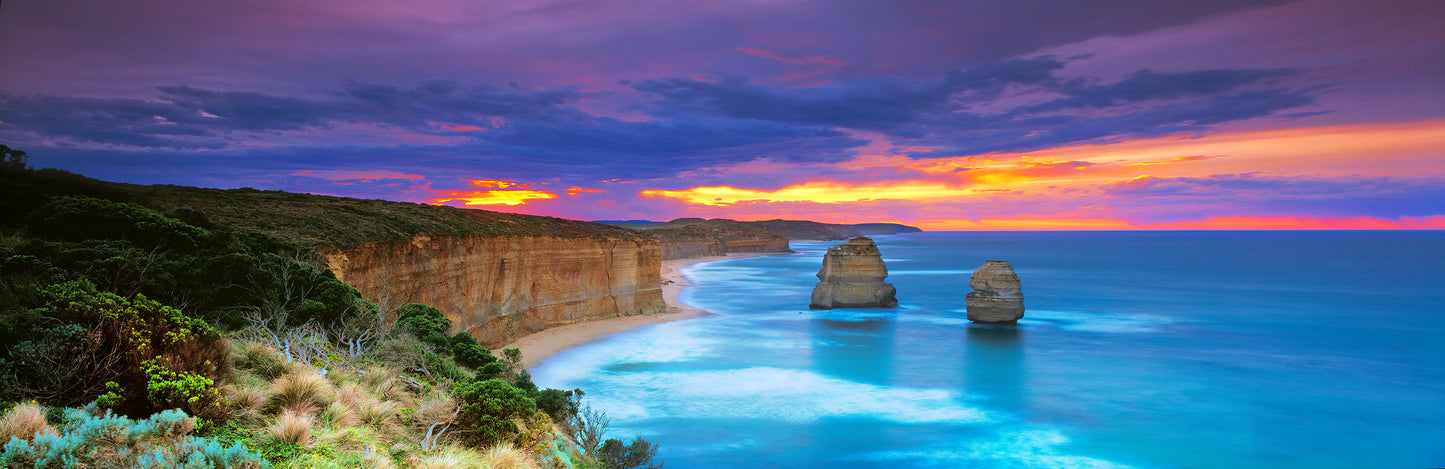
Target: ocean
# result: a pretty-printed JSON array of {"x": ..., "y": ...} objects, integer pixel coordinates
[{"x": 1279, "y": 349}]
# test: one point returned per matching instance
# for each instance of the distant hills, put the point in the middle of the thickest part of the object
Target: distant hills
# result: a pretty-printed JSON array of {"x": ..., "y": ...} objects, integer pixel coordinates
[{"x": 792, "y": 229}]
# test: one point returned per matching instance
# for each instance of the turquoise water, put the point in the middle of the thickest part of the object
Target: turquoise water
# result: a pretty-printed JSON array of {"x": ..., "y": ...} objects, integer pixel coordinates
[{"x": 1139, "y": 349}]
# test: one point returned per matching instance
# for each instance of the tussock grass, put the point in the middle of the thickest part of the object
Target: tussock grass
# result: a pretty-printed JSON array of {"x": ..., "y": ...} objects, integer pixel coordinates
[
  {"x": 291, "y": 428},
  {"x": 264, "y": 361},
  {"x": 24, "y": 422},
  {"x": 337, "y": 415},
  {"x": 300, "y": 392},
  {"x": 506, "y": 456},
  {"x": 378, "y": 413},
  {"x": 245, "y": 402}
]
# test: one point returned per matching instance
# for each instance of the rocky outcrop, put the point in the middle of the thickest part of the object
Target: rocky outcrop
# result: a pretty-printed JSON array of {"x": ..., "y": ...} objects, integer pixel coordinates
[
  {"x": 852, "y": 277},
  {"x": 997, "y": 296},
  {"x": 500, "y": 288}
]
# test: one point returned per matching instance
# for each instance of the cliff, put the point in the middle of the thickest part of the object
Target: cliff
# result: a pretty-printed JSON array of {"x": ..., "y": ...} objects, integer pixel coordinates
[
  {"x": 997, "y": 296},
  {"x": 694, "y": 237},
  {"x": 501, "y": 288},
  {"x": 852, "y": 277},
  {"x": 496, "y": 275}
]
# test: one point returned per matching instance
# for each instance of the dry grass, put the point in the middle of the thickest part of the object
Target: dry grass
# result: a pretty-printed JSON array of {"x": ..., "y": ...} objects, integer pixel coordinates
[
  {"x": 377, "y": 413},
  {"x": 292, "y": 428},
  {"x": 244, "y": 401},
  {"x": 433, "y": 410},
  {"x": 349, "y": 394},
  {"x": 300, "y": 391},
  {"x": 506, "y": 456},
  {"x": 337, "y": 415},
  {"x": 23, "y": 422},
  {"x": 261, "y": 359}
]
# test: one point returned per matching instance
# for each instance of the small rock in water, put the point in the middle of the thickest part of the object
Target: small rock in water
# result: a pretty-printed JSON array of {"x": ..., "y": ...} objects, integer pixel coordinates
[
  {"x": 997, "y": 296},
  {"x": 852, "y": 277}
]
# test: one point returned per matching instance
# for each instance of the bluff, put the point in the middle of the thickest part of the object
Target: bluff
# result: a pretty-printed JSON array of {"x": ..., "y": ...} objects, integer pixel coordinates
[
  {"x": 695, "y": 237},
  {"x": 852, "y": 277},
  {"x": 496, "y": 275},
  {"x": 997, "y": 296}
]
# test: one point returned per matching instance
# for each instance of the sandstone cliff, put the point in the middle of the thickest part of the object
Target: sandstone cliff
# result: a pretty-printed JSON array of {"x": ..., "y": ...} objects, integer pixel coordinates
[
  {"x": 852, "y": 277},
  {"x": 695, "y": 237},
  {"x": 997, "y": 296},
  {"x": 496, "y": 275},
  {"x": 500, "y": 288}
]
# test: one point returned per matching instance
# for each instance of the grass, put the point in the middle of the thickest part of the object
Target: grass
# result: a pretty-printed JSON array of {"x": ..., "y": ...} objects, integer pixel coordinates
[
  {"x": 300, "y": 391},
  {"x": 291, "y": 428},
  {"x": 24, "y": 422}
]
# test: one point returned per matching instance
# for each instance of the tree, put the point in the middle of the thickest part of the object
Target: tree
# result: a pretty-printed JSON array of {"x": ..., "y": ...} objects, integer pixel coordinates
[
  {"x": 636, "y": 455},
  {"x": 14, "y": 159}
]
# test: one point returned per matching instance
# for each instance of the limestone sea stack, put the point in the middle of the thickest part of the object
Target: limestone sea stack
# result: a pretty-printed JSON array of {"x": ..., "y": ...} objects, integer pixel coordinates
[
  {"x": 997, "y": 297},
  {"x": 852, "y": 277}
]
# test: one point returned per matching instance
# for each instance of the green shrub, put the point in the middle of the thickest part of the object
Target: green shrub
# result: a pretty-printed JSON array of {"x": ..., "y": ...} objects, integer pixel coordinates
[
  {"x": 426, "y": 323},
  {"x": 635, "y": 455},
  {"x": 142, "y": 356},
  {"x": 561, "y": 405},
  {"x": 488, "y": 408}
]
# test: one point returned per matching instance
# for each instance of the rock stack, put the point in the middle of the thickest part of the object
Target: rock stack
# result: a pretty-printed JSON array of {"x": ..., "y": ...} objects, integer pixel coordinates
[
  {"x": 852, "y": 277},
  {"x": 997, "y": 297}
]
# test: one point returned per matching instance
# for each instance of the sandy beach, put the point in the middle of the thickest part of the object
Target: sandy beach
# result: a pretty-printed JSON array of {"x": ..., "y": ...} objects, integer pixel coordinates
[{"x": 537, "y": 347}]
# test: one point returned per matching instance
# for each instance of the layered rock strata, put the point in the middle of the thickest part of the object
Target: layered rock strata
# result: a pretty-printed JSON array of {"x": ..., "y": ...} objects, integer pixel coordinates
[
  {"x": 852, "y": 277},
  {"x": 997, "y": 296},
  {"x": 500, "y": 288}
]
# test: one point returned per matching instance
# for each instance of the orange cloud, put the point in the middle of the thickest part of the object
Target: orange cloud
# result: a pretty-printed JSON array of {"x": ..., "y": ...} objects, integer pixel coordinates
[
  {"x": 518, "y": 196},
  {"x": 493, "y": 197},
  {"x": 816, "y": 192},
  {"x": 1179, "y": 159},
  {"x": 574, "y": 190},
  {"x": 500, "y": 184}
]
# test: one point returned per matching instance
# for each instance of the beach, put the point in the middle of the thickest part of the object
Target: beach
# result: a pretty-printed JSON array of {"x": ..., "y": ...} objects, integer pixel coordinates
[{"x": 537, "y": 347}]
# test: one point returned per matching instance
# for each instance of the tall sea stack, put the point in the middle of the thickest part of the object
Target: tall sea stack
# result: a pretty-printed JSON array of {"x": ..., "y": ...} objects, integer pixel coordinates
[
  {"x": 852, "y": 277},
  {"x": 997, "y": 297}
]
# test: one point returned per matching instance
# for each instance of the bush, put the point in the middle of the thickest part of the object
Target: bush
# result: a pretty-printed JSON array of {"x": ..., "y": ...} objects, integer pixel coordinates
[
  {"x": 561, "y": 405},
  {"x": 143, "y": 356},
  {"x": 24, "y": 422},
  {"x": 425, "y": 323},
  {"x": 635, "y": 455},
  {"x": 488, "y": 408},
  {"x": 113, "y": 441}
]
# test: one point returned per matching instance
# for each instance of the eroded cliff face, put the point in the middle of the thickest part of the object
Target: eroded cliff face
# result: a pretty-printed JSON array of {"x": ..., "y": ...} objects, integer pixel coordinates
[
  {"x": 852, "y": 277},
  {"x": 704, "y": 241},
  {"x": 500, "y": 288},
  {"x": 997, "y": 296}
]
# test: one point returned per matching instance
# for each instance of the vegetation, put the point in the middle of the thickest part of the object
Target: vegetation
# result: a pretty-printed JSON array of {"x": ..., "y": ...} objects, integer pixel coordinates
[{"x": 182, "y": 327}]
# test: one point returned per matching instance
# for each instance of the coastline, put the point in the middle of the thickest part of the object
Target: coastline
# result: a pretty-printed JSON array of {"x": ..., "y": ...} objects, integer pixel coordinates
[{"x": 538, "y": 346}]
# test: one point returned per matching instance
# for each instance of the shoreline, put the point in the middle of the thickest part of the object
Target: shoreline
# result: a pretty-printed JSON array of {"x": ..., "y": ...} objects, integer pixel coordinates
[{"x": 540, "y": 345}]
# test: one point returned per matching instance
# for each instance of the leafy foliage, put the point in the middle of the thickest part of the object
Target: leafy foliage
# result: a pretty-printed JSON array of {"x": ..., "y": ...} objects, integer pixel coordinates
[
  {"x": 488, "y": 408},
  {"x": 144, "y": 356},
  {"x": 638, "y": 454}
]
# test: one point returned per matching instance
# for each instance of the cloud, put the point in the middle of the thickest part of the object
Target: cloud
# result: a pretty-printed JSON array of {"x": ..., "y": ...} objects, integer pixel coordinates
[
  {"x": 1253, "y": 193},
  {"x": 1001, "y": 107}
]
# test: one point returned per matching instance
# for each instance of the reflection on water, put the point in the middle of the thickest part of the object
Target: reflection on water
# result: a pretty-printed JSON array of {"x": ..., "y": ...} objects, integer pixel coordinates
[
  {"x": 856, "y": 350},
  {"x": 993, "y": 366}
]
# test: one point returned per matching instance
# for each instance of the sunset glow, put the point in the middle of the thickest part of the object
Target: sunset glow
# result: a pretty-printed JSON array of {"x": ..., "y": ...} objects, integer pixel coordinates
[{"x": 1221, "y": 115}]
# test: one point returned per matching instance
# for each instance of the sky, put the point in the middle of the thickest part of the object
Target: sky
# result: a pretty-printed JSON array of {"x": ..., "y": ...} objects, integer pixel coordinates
[{"x": 946, "y": 115}]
